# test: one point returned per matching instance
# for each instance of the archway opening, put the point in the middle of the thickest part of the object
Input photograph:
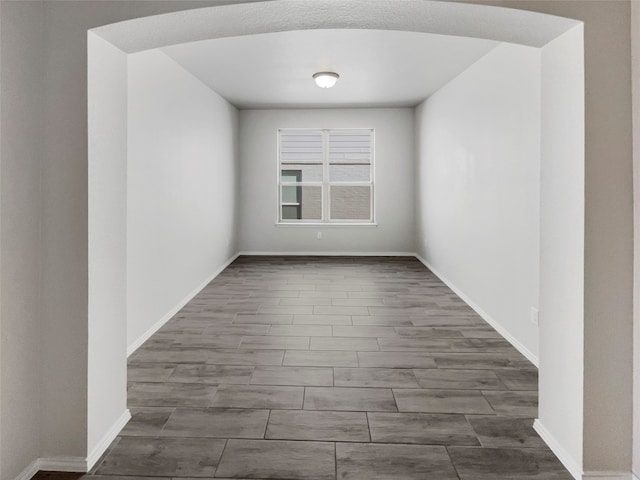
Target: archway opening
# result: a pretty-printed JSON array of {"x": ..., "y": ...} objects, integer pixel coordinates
[{"x": 562, "y": 180}]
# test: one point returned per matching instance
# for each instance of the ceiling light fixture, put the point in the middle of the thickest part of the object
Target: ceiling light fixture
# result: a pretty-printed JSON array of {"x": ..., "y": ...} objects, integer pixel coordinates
[{"x": 325, "y": 79}]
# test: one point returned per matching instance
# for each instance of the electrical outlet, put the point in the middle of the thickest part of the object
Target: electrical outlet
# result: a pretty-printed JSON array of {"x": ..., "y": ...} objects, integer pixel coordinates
[
  {"x": 534, "y": 315},
  {"x": 319, "y": 235}
]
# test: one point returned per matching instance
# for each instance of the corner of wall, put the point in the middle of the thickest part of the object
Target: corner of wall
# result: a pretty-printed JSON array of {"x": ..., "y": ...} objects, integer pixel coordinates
[
  {"x": 574, "y": 468},
  {"x": 102, "y": 445},
  {"x": 107, "y": 240}
]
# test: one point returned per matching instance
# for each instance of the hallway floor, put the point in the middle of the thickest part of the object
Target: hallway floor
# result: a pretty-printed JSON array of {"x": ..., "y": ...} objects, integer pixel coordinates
[{"x": 324, "y": 368}]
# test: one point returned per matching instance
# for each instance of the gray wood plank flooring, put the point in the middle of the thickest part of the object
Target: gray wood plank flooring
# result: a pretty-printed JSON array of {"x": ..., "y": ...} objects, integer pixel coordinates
[{"x": 306, "y": 368}]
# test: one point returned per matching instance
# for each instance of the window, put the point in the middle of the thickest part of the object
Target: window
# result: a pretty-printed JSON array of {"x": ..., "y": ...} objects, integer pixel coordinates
[{"x": 325, "y": 176}]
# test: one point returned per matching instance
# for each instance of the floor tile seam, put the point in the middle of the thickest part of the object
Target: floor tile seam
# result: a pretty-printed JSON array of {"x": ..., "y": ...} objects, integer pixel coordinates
[
  {"x": 348, "y": 387},
  {"x": 465, "y": 389},
  {"x": 308, "y": 440},
  {"x": 519, "y": 390},
  {"x": 369, "y": 425},
  {"x": 266, "y": 425},
  {"x": 226, "y": 442},
  {"x": 395, "y": 401},
  {"x": 489, "y": 401},
  {"x": 350, "y": 410},
  {"x": 211, "y": 385},
  {"x": 479, "y": 390},
  {"x": 264, "y": 438},
  {"x": 505, "y": 416},
  {"x": 544, "y": 449},
  {"x": 466, "y": 417},
  {"x": 221, "y": 408},
  {"x": 352, "y": 442},
  {"x": 511, "y": 391},
  {"x": 283, "y": 384},
  {"x": 210, "y": 365},
  {"x": 173, "y": 411},
  {"x": 455, "y": 468},
  {"x": 304, "y": 397},
  {"x": 373, "y": 442},
  {"x": 405, "y": 444}
]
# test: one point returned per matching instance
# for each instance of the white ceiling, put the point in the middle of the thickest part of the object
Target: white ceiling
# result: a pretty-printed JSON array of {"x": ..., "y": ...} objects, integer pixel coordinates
[{"x": 377, "y": 68}]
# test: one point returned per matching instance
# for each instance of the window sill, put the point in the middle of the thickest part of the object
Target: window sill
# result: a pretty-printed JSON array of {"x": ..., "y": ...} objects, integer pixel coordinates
[{"x": 323, "y": 224}]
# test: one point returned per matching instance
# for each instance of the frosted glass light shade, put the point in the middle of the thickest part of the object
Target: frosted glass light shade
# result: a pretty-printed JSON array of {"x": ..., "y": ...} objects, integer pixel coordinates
[{"x": 325, "y": 79}]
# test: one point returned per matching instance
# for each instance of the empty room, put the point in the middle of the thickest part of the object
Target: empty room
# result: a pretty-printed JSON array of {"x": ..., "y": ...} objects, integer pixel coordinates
[{"x": 317, "y": 241}]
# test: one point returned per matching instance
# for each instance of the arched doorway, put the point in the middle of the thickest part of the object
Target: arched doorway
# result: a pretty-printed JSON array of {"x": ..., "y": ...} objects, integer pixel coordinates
[{"x": 562, "y": 210}]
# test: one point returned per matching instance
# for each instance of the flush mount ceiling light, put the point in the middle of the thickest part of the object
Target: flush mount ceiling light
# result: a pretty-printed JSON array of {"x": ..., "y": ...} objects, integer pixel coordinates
[{"x": 325, "y": 79}]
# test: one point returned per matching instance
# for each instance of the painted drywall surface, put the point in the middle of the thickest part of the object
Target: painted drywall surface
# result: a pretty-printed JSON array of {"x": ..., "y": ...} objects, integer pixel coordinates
[
  {"x": 394, "y": 185},
  {"x": 635, "y": 52},
  {"x": 180, "y": 187},
  {"x": 64, "y": 215},
  {"x": 478, "y": 185},
  {"x": 64, "y": 190},
  {"x": 562, "y": 237},
  {"x": 608, "y": 249},
  {"x": 21, "y": 143},
  {"x": 447, "y": 18},
  {"x": 608, "y": 310},
  {"x": 107, "y": 250}
]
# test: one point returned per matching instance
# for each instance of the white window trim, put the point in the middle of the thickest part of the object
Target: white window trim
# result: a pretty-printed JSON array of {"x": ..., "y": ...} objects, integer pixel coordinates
[{"x": 326, "y": 184}]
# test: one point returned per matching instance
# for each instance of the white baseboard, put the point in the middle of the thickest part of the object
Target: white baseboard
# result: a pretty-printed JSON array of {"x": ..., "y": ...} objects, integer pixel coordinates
[
  {"x": 63, "y": 464},
  {"x": 609, "y": 476},
  {"x": 575, "y": 469},
  {"x": 485, "y": 316},
  {"x": 30, "y": 471},
  {"x": 156, "y": 326},
  {"x": 54, "y": 464},
  {"x": 106, "y": 440},
  {"x": 328, "y": 254},
  {"x": 76, "y": 464}
]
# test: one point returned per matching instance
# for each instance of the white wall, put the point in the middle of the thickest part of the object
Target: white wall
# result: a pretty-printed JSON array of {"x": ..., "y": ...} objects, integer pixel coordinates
[
  {"x": 181, "y": 188},
  {"x": 107, "y": 250},
  {"x": 63, "y": 208},
  {"x": 394, "y": 185},
  {"x": 560, "y": 410},
  {"x": 61, "y": 204},
  {"x": 478, "y": 188},
  {"x": 21, "y": 79}
]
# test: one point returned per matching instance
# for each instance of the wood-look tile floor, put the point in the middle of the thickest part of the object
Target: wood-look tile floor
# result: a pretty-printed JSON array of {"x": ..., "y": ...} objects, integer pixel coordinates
[{"x": 329, "y": 368}]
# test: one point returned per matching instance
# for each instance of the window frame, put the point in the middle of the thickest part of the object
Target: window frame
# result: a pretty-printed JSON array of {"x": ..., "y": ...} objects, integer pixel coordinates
[
  {"x": 298, "y": 203},
  {"x": 325, "y": 185}
]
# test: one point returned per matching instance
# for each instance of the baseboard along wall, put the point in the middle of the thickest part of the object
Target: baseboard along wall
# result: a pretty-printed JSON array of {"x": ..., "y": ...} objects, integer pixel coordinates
[
  {"x": 574, "y": 467},
  {"x": 55, "y": 464},
  {"x": 169, "y": 315},
  {"x": 485, "y": 316}
]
